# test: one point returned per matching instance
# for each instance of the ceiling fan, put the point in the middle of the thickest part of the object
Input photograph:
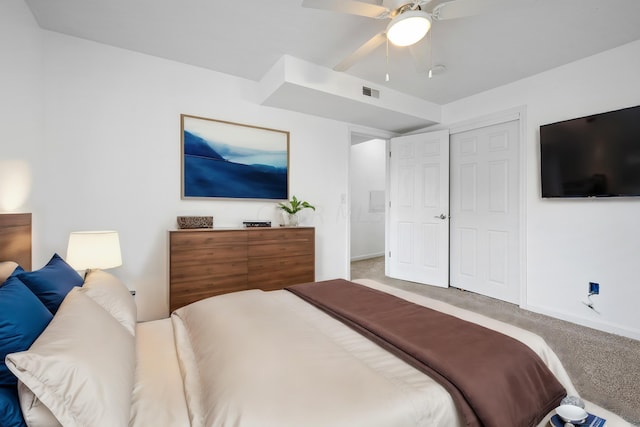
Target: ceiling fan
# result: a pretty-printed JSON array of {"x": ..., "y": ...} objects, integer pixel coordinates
[{"x": 410, "y": 20}]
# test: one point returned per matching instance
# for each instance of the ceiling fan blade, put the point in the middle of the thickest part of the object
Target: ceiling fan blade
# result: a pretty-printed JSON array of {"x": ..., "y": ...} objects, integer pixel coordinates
[
  {"x": 463, "y": 8},
  {"x": 361, "y": 52},
  {"x": 349, "y": 6}
]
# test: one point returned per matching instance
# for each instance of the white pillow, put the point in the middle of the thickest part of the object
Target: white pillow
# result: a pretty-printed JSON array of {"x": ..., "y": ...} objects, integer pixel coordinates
[
  {"x": 33, "y": 410},
  {"x": 82, "y": 366},
  {"x": 6, "y": 268},
  {"x": 108, "y": 291}
]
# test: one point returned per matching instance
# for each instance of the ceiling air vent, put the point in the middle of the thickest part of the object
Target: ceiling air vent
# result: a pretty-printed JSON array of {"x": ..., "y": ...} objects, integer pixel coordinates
[{"x": 367, "y": 91}]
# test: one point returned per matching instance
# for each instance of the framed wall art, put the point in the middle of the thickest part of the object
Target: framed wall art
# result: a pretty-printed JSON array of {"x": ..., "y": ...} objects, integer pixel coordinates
[{"x": 232, "y": 160}]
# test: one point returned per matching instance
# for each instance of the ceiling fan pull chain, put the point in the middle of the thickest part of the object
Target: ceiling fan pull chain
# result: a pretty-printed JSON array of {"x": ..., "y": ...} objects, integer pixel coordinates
[
  {"x": 431, "y": 53},
  {"x": 386, "y": 77}
]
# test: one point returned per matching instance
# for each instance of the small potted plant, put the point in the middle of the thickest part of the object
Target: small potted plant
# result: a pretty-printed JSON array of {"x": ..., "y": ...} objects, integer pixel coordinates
[{"x": 292, "y": 207}]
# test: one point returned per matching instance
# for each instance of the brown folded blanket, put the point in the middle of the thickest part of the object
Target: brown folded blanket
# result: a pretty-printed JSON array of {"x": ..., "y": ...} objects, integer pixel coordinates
[{"x": 495, "y": 380}]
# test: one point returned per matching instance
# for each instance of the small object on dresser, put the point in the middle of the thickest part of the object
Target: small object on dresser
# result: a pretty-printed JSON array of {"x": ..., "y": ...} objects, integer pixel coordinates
[
  {"x": 251, "y": 224},
  {"x": 565, "y": 414},
  {"x": 188, "y": 222},
  {"x": 572, "y": 413},
  {"x": 573, "y": 400}
]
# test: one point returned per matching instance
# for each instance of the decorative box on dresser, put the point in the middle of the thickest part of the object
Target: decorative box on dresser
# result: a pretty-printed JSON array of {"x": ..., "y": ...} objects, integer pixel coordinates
[{"x": 208, "y": 262}]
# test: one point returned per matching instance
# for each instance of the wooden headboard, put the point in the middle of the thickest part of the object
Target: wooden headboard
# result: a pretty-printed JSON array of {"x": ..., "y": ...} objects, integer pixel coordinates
[{"x": 15, "y": 239}]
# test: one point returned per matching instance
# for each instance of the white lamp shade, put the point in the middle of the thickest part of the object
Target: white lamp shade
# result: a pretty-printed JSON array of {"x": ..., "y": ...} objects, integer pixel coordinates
[
  {"x": 408, "y": 28},
  {"x": 94, "y": 249}
]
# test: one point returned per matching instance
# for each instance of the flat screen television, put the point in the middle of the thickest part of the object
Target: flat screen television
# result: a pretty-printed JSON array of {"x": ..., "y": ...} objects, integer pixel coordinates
[{"x": 593, "y": 156}]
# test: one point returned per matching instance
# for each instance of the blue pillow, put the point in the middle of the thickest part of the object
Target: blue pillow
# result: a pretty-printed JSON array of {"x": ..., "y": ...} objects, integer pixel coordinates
[
  {"x": 52, "y": 282},
  {"x": 17, "y": 271},
  {"x": 22, "y": 318},
  {"x": 10, "y": 414}
]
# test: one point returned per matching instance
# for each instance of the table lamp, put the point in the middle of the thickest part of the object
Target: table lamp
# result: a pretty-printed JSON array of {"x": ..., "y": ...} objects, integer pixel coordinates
[{"x": 94, "y": 250}]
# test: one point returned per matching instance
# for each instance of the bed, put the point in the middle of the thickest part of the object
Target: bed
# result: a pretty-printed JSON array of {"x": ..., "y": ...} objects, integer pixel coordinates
[{"x": 249, "y": 358}]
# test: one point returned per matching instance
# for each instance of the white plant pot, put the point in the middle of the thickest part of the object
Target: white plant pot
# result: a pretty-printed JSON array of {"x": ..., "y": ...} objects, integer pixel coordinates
[{"x": 292, "y": 220}]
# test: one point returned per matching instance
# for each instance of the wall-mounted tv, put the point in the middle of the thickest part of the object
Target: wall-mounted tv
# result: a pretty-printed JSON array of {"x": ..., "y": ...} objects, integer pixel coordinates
[{"x": 593, "y": 156}]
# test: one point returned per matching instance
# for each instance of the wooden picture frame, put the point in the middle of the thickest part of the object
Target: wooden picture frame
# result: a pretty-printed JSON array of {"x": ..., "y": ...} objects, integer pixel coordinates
[{"x": 221, "y": 159}]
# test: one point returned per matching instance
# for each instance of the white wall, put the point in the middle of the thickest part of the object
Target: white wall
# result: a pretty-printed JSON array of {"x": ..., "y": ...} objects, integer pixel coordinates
[
  {"x": 92, "y": 133},
  {"x": 572, "y": 242},
  {"x": 108, "y": 151},
  {"x": 21, "y": 100},
  {"x": 367, "y": 173}
]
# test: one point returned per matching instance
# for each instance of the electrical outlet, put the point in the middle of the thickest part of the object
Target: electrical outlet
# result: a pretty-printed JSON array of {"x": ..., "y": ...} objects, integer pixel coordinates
[{"x": 594, "y": 288}]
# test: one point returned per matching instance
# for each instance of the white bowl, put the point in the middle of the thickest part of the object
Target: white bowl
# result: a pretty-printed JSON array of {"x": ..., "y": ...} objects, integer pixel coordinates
[{"x": 571, "y": 413}]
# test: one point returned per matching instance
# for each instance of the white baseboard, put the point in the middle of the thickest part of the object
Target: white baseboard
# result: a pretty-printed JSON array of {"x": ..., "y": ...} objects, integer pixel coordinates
[
  {"x": 367, "y": 256},
  {"x": 583, "y": 321}
]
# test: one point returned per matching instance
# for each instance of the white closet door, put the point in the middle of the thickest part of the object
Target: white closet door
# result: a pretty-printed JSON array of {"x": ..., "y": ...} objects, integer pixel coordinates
[{"x": 485, "y": 233}]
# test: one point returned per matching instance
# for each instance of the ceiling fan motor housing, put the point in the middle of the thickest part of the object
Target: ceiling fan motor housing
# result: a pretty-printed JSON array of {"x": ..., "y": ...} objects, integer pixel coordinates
[{"x": 397, "y": 7}]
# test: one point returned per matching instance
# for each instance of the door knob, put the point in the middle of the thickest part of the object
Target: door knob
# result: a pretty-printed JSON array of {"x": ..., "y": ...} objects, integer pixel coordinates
[{"x": 441, "y": 216}]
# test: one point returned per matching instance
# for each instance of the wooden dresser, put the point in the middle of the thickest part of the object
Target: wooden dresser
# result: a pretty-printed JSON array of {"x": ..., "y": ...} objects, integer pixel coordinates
[{"x": 203, "y": 263}]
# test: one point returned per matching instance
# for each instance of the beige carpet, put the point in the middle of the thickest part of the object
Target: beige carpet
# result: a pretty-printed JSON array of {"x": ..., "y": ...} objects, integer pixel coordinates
[{"x": 605, "y": 368}]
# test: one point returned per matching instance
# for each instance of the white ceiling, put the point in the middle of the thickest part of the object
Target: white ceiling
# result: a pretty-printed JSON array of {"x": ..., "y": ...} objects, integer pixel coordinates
[{"x": 246, "y": 38}]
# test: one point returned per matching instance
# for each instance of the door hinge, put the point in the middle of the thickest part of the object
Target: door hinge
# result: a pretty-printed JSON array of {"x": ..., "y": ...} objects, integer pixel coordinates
[{"x": 389, "y": 254}]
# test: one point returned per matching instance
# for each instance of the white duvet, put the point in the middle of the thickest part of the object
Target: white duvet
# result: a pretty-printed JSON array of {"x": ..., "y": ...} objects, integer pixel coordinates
[{"x": 267, "y": 359}]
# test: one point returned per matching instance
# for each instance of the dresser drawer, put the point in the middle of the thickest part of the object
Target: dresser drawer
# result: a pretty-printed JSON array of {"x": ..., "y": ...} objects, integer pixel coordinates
[
  {"x": 205, "y": 263},
  {"x": 201, "y": 239}
]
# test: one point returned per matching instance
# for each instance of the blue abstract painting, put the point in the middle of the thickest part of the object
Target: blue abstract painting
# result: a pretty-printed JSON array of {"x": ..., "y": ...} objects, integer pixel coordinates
[{"x": 231, "y": 160}]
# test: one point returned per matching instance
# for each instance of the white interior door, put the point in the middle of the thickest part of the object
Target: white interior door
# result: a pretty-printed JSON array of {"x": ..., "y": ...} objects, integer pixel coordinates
[
  {"x": 485, "y": 233},
  {"x": 419, "y": 208}
]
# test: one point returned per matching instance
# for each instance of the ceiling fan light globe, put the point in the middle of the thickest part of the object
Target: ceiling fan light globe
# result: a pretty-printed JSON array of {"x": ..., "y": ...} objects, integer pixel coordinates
[{"x": 408, "y": 28}]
